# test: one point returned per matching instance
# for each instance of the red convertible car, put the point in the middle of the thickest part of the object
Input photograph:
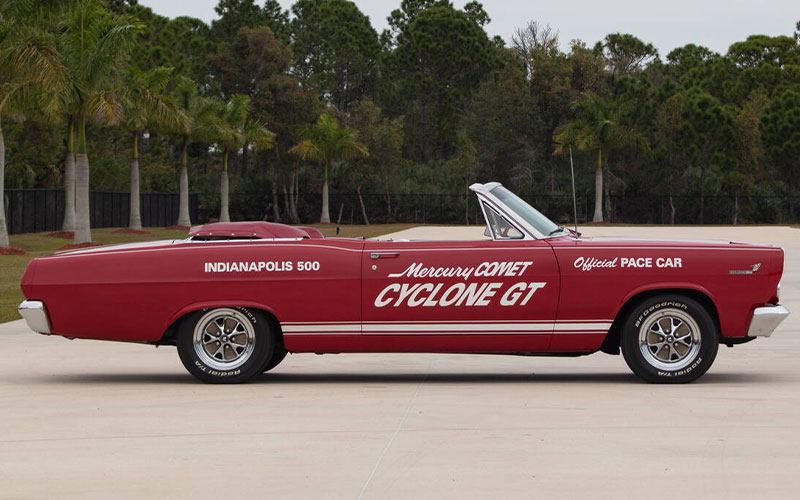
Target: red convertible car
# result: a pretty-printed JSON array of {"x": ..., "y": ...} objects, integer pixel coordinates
[{"x": 235, "y": 298}]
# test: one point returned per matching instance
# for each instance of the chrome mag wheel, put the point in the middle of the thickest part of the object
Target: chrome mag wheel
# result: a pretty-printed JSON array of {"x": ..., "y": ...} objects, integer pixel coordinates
[
  {"x": 224, "y": 339},
  {"x": 669, "y": 339}
]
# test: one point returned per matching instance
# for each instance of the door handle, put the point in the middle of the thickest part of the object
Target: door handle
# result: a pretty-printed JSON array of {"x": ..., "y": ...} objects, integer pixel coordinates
[{"x": 383, "y": 255}]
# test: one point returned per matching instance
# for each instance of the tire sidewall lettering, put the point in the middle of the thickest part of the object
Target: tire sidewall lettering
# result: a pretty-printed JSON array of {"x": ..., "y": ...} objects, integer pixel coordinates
[
  {"x": 264, "y": 346},
  {"x": 703, "y": 358},
  {"x": 216, "y": 373},
  {"x": 655, "y": 307},
  {"x": 247, "y": 313}
]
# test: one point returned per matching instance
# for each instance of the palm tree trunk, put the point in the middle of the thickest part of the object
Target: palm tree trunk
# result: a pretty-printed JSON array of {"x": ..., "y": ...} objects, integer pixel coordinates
[
  {"x": 363, "y": 208},
  {"x": 598, "y": 189},
  {"x": 83, "y": 231},
  {"x": 295, "y": 216},
  {"x": 388, "y": 202},
  {"x": 4, "y": 243},
  {"x": 276, "y": 209},
  {"x": 286, "y": 194},
  {"x": 325, "y": 218},
  {"x": 184, "y": 219},
  {"x": 607, "y": 193},
  {"x": 703, "y": 165},
  {"x": 224, "y": 215},
  {"x": 69, "y": 180},
  {"x": 702, "y": 191},
  {"x": 135, "y": 221},
  {"x": 671, "y": 211}
]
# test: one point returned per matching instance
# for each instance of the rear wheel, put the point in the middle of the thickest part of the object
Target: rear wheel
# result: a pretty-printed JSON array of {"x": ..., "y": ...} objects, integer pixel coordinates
[
  {"x": 277, "y": 356},
  {"x": 225, "y": 345},
  {"x": 669, "y": 339}
]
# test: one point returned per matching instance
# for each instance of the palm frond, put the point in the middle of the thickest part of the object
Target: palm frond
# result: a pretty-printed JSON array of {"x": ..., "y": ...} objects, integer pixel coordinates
[
  {"x": 37, "y": 59},
  {"x": 146, "y": 105},
  {"x": 308, "y": 150},
  {"x": 103, "y": 107},
  {"x": 258, "y": 135},
  {"x": 330, "y": 142}
]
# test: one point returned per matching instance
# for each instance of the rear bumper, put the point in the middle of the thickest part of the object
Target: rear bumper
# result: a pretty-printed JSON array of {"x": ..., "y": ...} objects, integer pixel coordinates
[
  {"x": 766, "y": 319},
  {"x": 35, "y": 315}
]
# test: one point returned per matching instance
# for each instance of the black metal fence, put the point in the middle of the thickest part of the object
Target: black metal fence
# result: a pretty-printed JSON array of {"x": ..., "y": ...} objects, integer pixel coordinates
[
  {"x": 39, "y": 210},
  {"x": 716, "y": 209},
  {"x": 34, "y": 210},
  {"x": 463, "y": 208},
  {"x": 346, "y": 208}
]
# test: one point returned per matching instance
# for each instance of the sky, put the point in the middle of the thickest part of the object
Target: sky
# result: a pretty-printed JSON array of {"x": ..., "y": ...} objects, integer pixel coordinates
[{"x": 666, "y": 24}]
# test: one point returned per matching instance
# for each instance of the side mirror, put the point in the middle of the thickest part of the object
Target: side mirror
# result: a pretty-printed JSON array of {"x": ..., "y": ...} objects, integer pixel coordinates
[{"x": 486, "y": 232}]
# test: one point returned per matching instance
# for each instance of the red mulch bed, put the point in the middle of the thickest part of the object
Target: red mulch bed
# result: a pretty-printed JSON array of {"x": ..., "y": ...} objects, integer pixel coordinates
[
  {"x": 12, "y": 250},
  {"x": 126, "y": 230},
  {"x": 67, "y": 235},
  {"x": 73, "y": 246},
  {"x": 177, "y": 228}
]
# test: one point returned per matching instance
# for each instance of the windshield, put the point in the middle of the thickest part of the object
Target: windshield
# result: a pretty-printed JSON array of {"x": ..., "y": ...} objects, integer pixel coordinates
[{"x": 526, "y": 212}]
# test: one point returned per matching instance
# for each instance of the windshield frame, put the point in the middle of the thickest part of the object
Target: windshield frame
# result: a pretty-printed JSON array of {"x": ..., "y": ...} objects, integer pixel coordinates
[{"x": 486, "y": 195}]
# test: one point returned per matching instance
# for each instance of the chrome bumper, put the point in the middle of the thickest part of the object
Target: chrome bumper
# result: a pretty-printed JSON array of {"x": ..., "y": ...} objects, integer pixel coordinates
[
  {"x": 766, "y": 319},
  {"x": 35, "y": 315}
]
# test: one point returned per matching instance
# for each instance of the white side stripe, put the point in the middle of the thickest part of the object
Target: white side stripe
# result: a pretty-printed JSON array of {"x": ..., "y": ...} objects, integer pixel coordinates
[
  {"x": 453, "y": 322},
  {"x": 349, "y": 328},
  {"x": 582, "y": 326},
  {"x": 401, "y": 328}
]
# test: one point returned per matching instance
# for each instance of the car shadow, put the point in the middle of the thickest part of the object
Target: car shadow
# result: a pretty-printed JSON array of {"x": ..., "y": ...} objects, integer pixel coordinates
[{"x": 288, "y": 378}]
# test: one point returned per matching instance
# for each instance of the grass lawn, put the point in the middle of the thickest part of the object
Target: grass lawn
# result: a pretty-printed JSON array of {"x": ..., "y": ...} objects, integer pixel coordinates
[{"x": 39, "y": 245}]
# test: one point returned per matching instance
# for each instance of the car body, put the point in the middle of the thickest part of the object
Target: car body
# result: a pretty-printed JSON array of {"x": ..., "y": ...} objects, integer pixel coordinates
[{"x": 529, "y": 288}]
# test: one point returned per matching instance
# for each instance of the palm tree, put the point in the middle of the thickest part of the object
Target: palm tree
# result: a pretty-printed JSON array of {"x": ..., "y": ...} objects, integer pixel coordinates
[
  {"x": 325, "y": 142},
  {"x": 145, "y": 106},
  {"x": 4, "y": 241},
  {"x": 29, "y": 66},
  {"x": 8, "y": 92},
  {"x": 598, "y": 126},
  {"x": 93, "y": 44},
  {"x": 198, "y": 117},
  {"x": 235, "y": 130},
  {"x": 69, "y": 178}
]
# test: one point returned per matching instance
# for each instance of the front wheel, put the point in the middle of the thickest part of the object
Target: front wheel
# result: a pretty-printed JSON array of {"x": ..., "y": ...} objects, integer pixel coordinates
[
  {"x": 225, "y": 345},
  {"x": 669, "y": 339}
]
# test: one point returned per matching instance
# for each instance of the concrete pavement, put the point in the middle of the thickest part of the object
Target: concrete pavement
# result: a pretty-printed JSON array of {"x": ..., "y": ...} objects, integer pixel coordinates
[{"x": 87, "y": 419}]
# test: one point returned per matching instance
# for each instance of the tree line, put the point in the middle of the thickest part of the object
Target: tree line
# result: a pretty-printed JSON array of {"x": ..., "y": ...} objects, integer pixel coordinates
[{"x": 284, "y": 102}]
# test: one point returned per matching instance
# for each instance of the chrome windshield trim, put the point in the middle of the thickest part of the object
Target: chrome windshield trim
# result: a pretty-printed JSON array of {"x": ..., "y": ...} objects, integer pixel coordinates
[
  {"x": 483, "y": 191},
  {"x": 524, "y": 232}
]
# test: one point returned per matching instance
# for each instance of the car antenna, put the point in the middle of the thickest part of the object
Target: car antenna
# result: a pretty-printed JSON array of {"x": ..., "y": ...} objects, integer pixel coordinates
[{"x": 574, "y": 201}]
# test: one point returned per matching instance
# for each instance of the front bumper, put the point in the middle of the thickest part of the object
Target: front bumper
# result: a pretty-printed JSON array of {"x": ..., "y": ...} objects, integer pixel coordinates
[
  {"x": 35, "y": 315},
  {"x": 766, "y": 319}
]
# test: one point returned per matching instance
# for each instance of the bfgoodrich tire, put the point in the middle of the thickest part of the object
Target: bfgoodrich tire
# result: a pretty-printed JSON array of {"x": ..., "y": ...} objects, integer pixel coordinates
[
  {"x": 669, "y": 339},
  {"x": 225, "y": 345},
  {"x": 277, "y": 356}
]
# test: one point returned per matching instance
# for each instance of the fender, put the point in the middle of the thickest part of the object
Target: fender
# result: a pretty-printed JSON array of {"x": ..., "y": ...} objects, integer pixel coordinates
[
  {"x": 673, "y": 285},
  {"x": 211, "y": 304}
]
